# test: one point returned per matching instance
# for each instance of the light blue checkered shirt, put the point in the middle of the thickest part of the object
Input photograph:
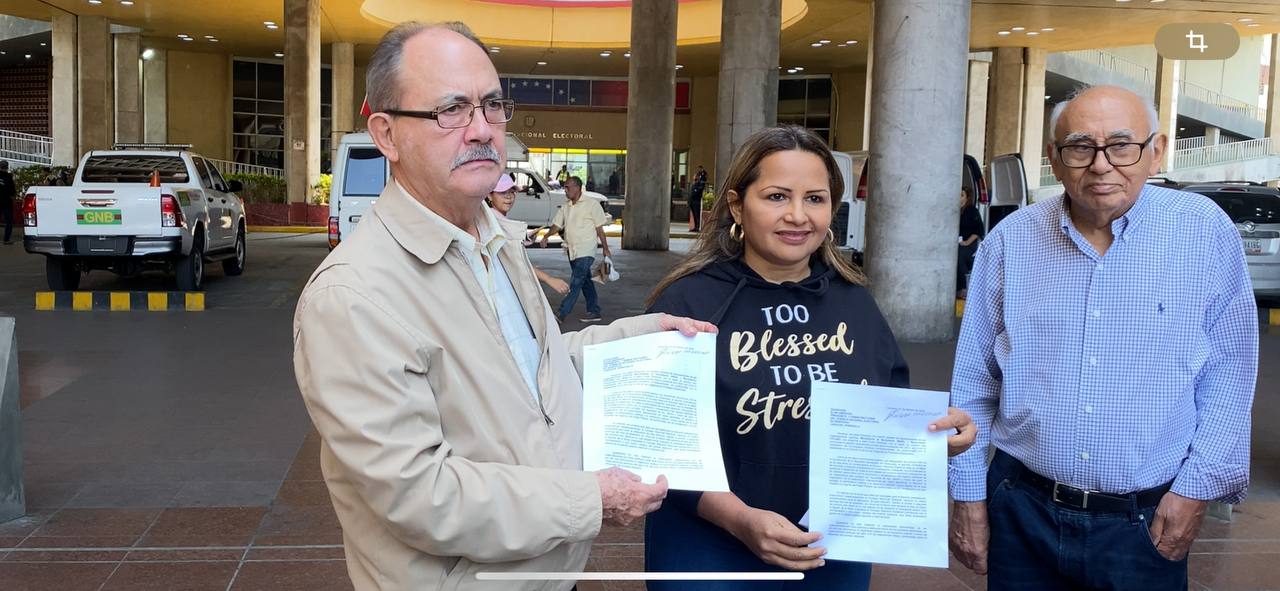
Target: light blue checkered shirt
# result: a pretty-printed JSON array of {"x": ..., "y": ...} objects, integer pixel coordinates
[{"x": 1113, "y": 373}]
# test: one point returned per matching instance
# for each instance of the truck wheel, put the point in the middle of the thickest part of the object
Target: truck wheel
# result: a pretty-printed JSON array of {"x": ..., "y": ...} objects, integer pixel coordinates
[
  {"x": 235, "y": 265},
  {"x": 190, "y": 269},
  {"x": 63, "y": 275}
]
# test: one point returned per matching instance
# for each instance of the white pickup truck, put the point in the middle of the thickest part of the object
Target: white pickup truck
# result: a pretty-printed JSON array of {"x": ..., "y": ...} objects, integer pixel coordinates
[{"x": 134, "y": 208}]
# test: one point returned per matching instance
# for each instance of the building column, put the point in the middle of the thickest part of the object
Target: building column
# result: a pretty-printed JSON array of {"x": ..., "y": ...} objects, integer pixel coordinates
[
  {"x": 1033, "y": 112},
  {"x": 975, "y": 122},
  {"x": 95, "y": 74},
  {"x": 1212, "y": 136},
  {"x": 1273, "y": 96},
  {"x": 301, "y": 97},
  {"x": 1167, "y": 71},
  {"x": 1004, "y": 102},
  {"x": 750, "y": 33},
  {"x": 155, "y": 97},
  {"x": 343, "y": 59},
  {"x": 128, "y": 87},
  {"x": 922, "y": 49},
  {"x": 866, "y": 95},
  {"x": 63, "y": 107},
  {"x": 651, "y": 105}
]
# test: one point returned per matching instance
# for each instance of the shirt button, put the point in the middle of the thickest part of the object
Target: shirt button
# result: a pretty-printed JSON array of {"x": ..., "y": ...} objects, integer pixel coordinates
[
  {"x": 1084, "y": 455},
  {"x": 1088, "y": 408},
  {"x": 1099, "y": 267},
  {"x": 1093, "y": 361}
]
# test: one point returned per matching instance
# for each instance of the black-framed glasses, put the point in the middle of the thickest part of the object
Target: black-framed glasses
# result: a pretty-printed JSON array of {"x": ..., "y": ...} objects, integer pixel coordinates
[
  {"x": 1118, "y": 154},
  {"x": 455, "y": 115}
]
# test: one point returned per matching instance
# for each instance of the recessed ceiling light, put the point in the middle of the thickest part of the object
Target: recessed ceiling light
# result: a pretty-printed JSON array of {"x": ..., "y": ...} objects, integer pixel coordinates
[
  {"x": 28, "y": 56},
  {"x": 1254, "y": 25},
  {"x": 183, "y": 36},
  {"x": 679, "y": 67},
  {"x": 1003, "y": 33},
  {"x": 1018, "y": 29},
  {"x": 495, "y": 49},
  {"x": 268, "y": 23},
  {"x": 791, "y": 71},
  {"x": 824, "y": 41},
  {"x": 90, "y": 2},
  {"x": 606, "y": 53},
  {"x": 212, "y": 40},
  {"x": 1245, "y": 20},
  {"x": 148, "y": 53},
  {"x": 279, "y": 54},
  {"x": 852, "y": 42},
  {"x": 126, "y": 2},
  {"x": 4, "y": 53},
  {"x": 799, "y": 68},
  {"x": 1032, "y": 33},
  {"x": 1122, "y": 1},
  {"x": 815, "y": 44},
  {"x": 208, "y": 36},
  {"x": 1046, "y": 97},
  {"x": 1047, "y": 30},
  {"x": 1182, "y": 129},
  {"x": 542, "y": 63},
  {"x": 1156, "y": 1},
  {"x": 187, "y": 39},
  {"x": 627, "y": 54},
  {"x": 43, "y": 44}
]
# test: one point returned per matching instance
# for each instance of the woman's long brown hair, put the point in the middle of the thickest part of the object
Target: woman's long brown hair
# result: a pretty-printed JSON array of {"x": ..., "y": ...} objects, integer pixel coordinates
[{"x": 714, "y": 243}]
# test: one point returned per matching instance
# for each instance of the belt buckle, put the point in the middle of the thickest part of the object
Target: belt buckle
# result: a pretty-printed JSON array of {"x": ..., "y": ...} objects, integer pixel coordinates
[{"x": 1084, "y": 502}]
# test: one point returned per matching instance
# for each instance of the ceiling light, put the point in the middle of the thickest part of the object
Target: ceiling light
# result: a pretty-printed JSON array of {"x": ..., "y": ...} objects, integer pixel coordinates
[
  {"x": 815, "y": 44},
  {"x": 627, "y": 54},
  {"x": 798, "y": 68},
  {"x": 1003, "y": 33},
  {"x": 1018, "y": 29},
  {"x": 495, "y": 49},
  {"x": 28, "y": 56},
  {"x": 542, "y": 63},
  {"x": 43, "y": 44},
  {"x": 1032, "y": 33},
  {"x": 1182, "y": 129},
  {"x": 148, "y": 53},
  {"x": 1156, "y": 1},
  {"x": 606, "y": 53},
  {"x": 1245, "y": 20},
  {"x": 1046, "y": 97},
  {"x": 126, "y": 2},
  {"x": 791, "y": 71},
  {"x": 268, "y": 23},
  {"x": 211, "y": 40},
  {"x": 1122, "y": 1},
  {"x": 4, "y": 52},
  {"x": 183, "y": 36},
  {"x": 279, "y": 54},
  {"x": 1254, "y": 25},
  {"x": 824, "y": 41},
  {"x": 90, "y": 2},
  {"x": 852, "y": 42},
  {"x": 679, "y": 67},
  {"x": 187, "y": 39},
  {"x": 1047, "y": 30}
]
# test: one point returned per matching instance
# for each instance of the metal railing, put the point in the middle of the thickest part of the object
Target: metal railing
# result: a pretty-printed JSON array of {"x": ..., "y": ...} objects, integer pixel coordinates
[
  {"x": 228, "y": 167},
  {"x": 1112, "y": 63},
  {"x": 1221, "y": 101},
  {"x": 1221, "y": 153},
  {"x": 26, "y": 148},
  {"x": 1186, "y": 143}
]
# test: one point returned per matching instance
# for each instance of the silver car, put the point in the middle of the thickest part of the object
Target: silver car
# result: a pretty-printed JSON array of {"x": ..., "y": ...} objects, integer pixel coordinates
[{"x": 1255, "y": 209}]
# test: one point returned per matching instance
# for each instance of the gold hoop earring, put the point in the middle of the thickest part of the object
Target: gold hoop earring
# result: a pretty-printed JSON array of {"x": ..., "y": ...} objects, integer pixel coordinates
[
  {"x": 736, "y": 232},
  {"x": 831, "y": 235}
]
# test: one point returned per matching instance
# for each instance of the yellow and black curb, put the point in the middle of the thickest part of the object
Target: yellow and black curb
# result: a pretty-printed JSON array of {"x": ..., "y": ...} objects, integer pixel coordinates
[
  {"x": 120, "y": 301},
  {"x": 1266, "y": 316}
]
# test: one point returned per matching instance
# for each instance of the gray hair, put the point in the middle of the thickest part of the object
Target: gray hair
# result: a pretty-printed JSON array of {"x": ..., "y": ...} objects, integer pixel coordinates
[
  {"x": 1153, "y": 118},
  {"x": 382, "y": 80}
]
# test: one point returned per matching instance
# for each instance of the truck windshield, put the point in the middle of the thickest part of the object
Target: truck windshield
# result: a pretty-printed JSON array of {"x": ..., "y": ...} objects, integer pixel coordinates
[
  {"x": 133, "y": 169},
  {"x": 366, "y": 173}
]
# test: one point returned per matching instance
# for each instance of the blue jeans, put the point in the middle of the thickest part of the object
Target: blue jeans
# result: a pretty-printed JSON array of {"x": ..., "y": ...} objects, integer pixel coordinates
[
  {"x": 677, "y": 541},
  {"x": 581, "y": 281},
  {"x": 1037, "y": 544}
]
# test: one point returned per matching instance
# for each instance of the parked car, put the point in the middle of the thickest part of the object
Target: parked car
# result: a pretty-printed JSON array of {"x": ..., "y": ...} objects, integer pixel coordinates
[
  {"x": 361, "y": 172},
  {"x": 137, "y": 207},
  {"x": 1007, "y": 193},
  {"x": 1255, "y": 210}
]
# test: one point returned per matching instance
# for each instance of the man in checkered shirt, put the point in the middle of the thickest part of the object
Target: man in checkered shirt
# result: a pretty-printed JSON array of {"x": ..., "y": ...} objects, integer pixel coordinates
[{"x": 1108, "y": 354}]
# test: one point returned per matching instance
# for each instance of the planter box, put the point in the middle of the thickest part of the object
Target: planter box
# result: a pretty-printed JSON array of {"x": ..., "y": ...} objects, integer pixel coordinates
[{"x": 286, "y": 214}]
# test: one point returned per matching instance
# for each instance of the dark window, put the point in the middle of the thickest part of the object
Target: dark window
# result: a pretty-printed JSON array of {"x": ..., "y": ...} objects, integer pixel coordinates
[
  {"x": 366, "y": 173},
  {"x": 202, "y": 169},
  {"x": 133, "y": 169},
  {"x": 1248, "y": 207}
]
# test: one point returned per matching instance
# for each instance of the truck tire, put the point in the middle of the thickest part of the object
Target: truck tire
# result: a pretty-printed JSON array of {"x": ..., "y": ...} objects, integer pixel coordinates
[
  {"x": 63, "y": 275},
  {"x": 235, "y": 265},
  {"x": 190, "y": 269}
]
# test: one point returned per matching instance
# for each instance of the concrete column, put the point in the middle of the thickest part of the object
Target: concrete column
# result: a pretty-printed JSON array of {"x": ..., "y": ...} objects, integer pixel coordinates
[
  {"x": 1004, "y": 103},
  {"x": 1273, "y": 96},
  {"x": 13, "y": 502},
  {"x": 975, "y": 122},
  {"x": 301, "y": 97},
  {"x": 128, "y": 87},
  {"x": 93, "y": 57},
  {"x": 1033, "y": 112},
  {"x": 1212, "y": 136},
  {"x": 651, "y": 104},
  {"x": 866, "y": 95},
  {"x": 342, "y": 56},
  {"x": 63, "y": 107},
  {"x": 750, "y": 33},
  {"x": 155, "y": 97},
  {"x": 1167, "y": 72},
  {"x": 920, "y": 70}
]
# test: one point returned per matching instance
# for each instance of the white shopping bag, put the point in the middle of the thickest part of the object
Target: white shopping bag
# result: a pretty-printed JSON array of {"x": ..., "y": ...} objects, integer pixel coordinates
[{"x": 605, "y": 272}]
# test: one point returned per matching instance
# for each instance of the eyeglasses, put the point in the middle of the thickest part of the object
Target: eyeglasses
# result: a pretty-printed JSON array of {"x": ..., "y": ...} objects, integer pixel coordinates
[
  {"x": 456, "y": 115},
  {"x": 1118, "y": 154}
]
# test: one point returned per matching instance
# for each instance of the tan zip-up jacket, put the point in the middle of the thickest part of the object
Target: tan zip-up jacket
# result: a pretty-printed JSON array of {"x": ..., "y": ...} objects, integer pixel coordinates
[{"x": 439, "y": 461}]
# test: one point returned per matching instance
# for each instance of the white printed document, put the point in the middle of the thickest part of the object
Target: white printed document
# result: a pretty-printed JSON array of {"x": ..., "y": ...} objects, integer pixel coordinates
[
  {"x": 877, "y": 476},
  {"x": 649, "y": 405}
]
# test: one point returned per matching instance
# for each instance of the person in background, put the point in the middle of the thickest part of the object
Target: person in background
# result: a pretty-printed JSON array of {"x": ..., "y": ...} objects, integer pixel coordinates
[
  {"x": 765, "y": 270},
  {"x": 502, "y": 198},
  {"x": 695, "y": 199},
  {"x": 8, "y": 191},
  {"x": 970, "y": 233},
  {"x": 581, "y": 223}
]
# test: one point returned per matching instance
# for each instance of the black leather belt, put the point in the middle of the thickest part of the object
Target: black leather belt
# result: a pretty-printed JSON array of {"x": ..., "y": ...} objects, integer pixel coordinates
[{"x": 1088, "y": 500}]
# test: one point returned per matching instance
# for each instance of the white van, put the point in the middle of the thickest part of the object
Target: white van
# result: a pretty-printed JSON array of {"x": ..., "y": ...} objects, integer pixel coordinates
[
  {"x": 1008, "y": 192},
  {"x": 360, "y": 172}
]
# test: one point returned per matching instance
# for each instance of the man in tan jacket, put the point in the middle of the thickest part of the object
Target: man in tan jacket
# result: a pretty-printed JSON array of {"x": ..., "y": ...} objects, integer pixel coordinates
[{"x": 448, "y": 402}]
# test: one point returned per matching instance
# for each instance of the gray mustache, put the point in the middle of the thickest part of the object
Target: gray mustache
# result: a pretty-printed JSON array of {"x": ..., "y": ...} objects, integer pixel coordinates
[{"x": 481, "y": 152}]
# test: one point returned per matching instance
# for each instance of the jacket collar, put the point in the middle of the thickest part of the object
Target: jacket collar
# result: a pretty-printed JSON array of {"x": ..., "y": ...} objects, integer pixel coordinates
[{"x": 417, "y": 233}]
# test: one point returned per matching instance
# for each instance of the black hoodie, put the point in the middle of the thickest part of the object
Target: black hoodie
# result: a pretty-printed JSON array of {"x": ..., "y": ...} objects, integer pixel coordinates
[{"x": 774, "y": 340}]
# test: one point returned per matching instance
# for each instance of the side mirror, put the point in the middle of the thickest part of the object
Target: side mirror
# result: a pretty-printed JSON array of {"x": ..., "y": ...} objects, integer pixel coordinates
[{"x": 234, "y": 186}]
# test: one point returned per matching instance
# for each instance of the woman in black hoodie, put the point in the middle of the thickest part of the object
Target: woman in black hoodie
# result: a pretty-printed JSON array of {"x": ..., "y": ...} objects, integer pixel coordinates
[{"x": 790, "y": 310}]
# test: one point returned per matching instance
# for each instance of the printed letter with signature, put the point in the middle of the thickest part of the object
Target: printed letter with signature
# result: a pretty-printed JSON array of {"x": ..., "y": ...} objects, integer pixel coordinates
[{"x": 877, "y": 476}]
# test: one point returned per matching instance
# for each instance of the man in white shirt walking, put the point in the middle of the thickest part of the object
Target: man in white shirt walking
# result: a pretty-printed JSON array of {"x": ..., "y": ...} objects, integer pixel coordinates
[{"x": 581, "y": 223}]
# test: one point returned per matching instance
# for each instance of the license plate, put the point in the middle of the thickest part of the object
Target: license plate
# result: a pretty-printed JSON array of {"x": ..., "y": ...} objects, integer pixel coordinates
[
  {"x": 99, "y": 217},
  {"x": 1252, "y": 246}
]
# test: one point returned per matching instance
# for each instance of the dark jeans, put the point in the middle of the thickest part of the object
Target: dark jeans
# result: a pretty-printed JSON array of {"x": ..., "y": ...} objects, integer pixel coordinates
[
  {"x": 677, "y": 541},
  {"x": 964, "y": 265},
  {"x": 581, "y": 281},
  {"x": 6, "y": 212},
  {"x": 1037, "y": 544}
]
